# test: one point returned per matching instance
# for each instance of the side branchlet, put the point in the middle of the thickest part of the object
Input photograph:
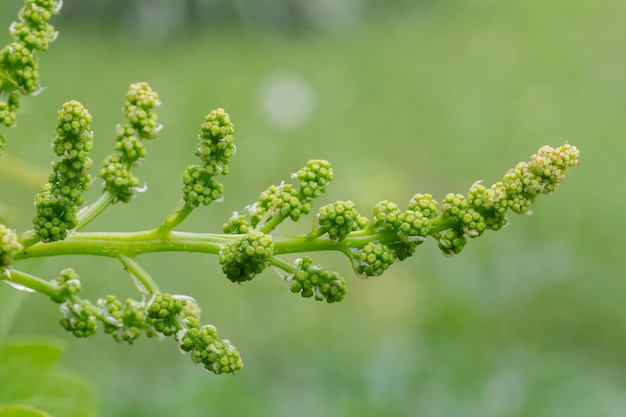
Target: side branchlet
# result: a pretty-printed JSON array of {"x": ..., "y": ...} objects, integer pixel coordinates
[
  {"x": 163, "y": 315},
  {"x": 19, "y": 63},
  {"x": 310, "y": 280},
  {"x": 58, "y": 202},
  {"x": 141, "y": 124},
  {"x": 9, "y": 247},
  {"x": 279, "y": 202},
  {"x": 215, "y": 148}
]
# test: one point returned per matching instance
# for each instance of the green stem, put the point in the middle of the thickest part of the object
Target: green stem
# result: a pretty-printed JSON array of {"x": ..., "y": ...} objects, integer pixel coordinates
[
  {"x": 29, "y": 238},
  {"x": 175, "y": 217},
  {"x": 132, "y": 244},
  {"x": 93, "y": 210},
  {"x": 22, "y": 280},
  {"x": 440, "y": 224},
  {"x": 280, "y": 264},
  {"x": 144, "y": 281},
  {"x": 272, "y": 223}
]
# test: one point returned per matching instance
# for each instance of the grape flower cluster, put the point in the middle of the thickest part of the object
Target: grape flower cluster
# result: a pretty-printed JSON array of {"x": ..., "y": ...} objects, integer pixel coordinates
[
  {"x": 339, "y": 219},
  {"x": 247, "y": 256},
  {"x": 253, "y": 250},
  {"x": 312, "y": 280},
  {"x": 9, "y": 247},
  {"x": 162, "y": 315},
  {"x": 215, "y": 148},
  {"x": 19, "y": 64},
  {"x": 251, "y": 241},
  {"x": 129, "y": 149},
  {"x": 58, "y": 202},
  {"x": 278, "y": 203},
  {"x": 393, "y": 234}
]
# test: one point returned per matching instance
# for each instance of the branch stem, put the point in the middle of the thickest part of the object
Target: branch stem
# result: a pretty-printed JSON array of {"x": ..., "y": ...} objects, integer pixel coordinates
[
  {"x": 143, "y": 280},
  {"x": 27, "y": 282},
  {"x": 93, "y": 210},
  {"x": 175, "y": 217},
  {"x": 132, "y": 244}
]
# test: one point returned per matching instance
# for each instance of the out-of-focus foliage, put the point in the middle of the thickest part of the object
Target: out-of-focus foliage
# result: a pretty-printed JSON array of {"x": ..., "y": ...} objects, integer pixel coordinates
[
  {"x": 165, "y": 17},
  {"x": 31, "y": 381},
  {"x": 526, "y": 322}
]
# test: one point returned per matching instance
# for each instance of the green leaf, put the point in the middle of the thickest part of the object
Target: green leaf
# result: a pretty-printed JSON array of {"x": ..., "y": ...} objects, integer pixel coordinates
[{"x": 32, "y": 382}]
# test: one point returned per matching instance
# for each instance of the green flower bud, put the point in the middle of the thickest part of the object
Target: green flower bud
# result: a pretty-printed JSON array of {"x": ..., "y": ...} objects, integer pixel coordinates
[
  {"x": 20, "y": 65},
  {"x": 491, "y": 203},
  {"x": 7, "y": 116},
  {"x": 216, "y": 145},
  {"x": 313, "y": 180},
  {"x": 199, "y": 187},
  {"x": 246, "y": 257},
  {"x": 69, "y": 281},
  {"x": 451, "y": 241},
  {"x": 340, "y": 218},
  {"x": 387, "y": 215},
  {"x": 277, "y": 201},
  {"x": 164, "y": 310},
  {"x": 131, "y": 147},
  {"x": 456, "y": 209},
  {"x": 118, "y": 179},
  {"x": 374, "y": 259},
  {"x": 59, "y": 199},
  {"x": 216, "y": 356},
  {"x": 309, "y": 281},
  {"x": 236, "y": 224},
  {"x": 79, "y": 318},
  {"x": 140, "y": 101},
  {"x": 222, "y": 358},
  {"x": 425, "y": 204},
  {"x": 142, "y": 124},
  {"x": 125, "y": 322},
  {"x": 9, "y": 246}
]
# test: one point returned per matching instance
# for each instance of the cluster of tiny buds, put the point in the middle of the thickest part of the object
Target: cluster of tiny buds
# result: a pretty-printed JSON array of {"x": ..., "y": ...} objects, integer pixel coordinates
[
  {"x": 180, "y": 317},
  {"x": 278, "y": 203},
  {"x": 201, "y": 342},
  {"x": 18, "y": 62},
  {"x": 163, "y": 315},
  {"x": 125, "y": 322},
  {"x": 402, "y": 231},
  {"x": 142, "y": 124},
  {"x": 373, "y": 259},
  {"x": 58, "y": 202},
  {"x": 339, "y": 219},
  {"x": 33, "y": 29},
  {"x": 392, "y": 233},
  {"x": 215, "y": 148},
  {"x": 313, "y": 281},
  {"x": 9, "y": 246},
  {"x": 7, "y": 110},
  {"x": 373, "y": 244},
  {"x": 396, "y": 233},
  {"x": 141, "y": 100},
  {"x": 247, "y": 256}
]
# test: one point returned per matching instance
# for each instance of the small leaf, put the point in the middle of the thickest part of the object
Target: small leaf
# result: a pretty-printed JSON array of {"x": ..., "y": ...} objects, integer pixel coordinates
[{"x": 31, "y": 381}]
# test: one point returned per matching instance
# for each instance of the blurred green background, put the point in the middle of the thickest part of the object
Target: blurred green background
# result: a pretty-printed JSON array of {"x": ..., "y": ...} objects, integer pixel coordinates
[{"x": 401, "y": 98}]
